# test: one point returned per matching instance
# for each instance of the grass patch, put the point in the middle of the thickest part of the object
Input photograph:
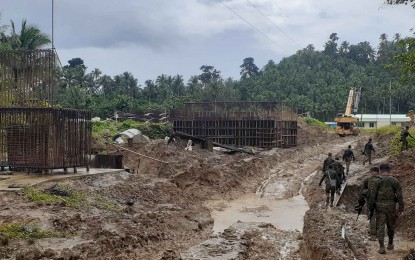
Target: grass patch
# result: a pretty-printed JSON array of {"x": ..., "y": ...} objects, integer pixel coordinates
[
  {"x": 386, "y": 130},
  {"x": 397, "y": 144},
  {"x": 315, "y": 122},
  {"x": 68, "y": 196},
  {"x": 395, "y": 133},
  {"x": 27, "y": 230},
  {"x": 102, "y": 203}
]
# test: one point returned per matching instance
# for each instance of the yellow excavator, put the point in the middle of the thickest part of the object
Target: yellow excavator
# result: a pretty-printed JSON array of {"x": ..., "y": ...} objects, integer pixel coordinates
[{"x": 346, "y": 123}]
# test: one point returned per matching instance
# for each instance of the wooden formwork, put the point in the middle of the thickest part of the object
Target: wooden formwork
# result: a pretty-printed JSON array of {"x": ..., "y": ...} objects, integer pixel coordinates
[
  {"x": 44, "y": 138},
  {"x": 258, "y": 124}
]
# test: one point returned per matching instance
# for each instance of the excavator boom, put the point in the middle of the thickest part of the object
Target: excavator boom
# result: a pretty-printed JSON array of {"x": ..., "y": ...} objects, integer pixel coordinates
[
  {"x": 346, "y": 122},
  {"x": 349, "y": 105}
]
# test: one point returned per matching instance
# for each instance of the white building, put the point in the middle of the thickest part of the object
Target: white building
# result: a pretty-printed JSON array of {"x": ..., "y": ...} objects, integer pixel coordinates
[{"x": 373, "y": 121}]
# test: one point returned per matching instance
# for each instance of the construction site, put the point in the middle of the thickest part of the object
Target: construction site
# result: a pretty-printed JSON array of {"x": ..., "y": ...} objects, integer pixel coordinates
[{"x": 235, "y": 180}]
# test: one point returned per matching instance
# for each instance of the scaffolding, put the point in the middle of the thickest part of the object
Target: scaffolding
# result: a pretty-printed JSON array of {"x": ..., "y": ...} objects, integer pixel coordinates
[{"x": 258, "y": 124}]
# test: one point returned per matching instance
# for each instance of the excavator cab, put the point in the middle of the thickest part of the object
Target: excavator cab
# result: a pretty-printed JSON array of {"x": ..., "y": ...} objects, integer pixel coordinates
[{"x": 346, "y": 126}]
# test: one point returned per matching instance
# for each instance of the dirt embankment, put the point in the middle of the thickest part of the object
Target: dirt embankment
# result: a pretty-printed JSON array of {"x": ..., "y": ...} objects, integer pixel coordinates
[
  {"x": 156, "y": 213},
  {"x": 323, "y": 226}
]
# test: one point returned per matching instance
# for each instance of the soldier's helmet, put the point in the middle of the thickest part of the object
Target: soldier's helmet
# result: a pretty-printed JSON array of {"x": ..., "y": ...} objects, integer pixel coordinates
[
  {"x": 329, "y": 154},
  {"x": 407, "y": 127},
  {"x": 374, "y": 169},
  {"x": 385, "y": 167},
  {"x": 370, "y": 139}
]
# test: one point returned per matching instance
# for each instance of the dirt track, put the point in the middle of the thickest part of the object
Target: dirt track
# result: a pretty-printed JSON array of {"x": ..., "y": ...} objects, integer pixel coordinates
[{"x": 165, "y": 211}]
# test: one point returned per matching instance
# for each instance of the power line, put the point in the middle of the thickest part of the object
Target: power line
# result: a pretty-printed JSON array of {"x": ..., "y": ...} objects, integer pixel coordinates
[
  {"x": 255, "y": 28},
  {"x": 276, "y": 26}
]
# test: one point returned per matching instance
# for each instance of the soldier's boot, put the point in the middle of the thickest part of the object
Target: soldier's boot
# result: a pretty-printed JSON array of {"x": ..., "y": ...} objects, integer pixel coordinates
[
  {"x": 381, "y": 247},
  {"x": 373, "y": 238},
  {"x": 390, "y": 244},
  {"x": 331, "y": 201}
]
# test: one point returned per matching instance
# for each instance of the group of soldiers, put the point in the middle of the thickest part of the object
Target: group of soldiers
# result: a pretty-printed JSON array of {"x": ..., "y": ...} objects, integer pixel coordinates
[
  {"x": 334, "y": 174},
  {"x": 381, "y": 192}
]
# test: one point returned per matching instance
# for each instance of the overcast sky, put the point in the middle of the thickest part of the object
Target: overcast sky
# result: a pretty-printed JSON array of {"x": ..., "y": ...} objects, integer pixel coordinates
[{"x": 151, "y": 37}]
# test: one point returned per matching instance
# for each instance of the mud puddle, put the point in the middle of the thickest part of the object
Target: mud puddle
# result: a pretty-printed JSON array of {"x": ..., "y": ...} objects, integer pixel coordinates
[{"x": 284, "y": 214}]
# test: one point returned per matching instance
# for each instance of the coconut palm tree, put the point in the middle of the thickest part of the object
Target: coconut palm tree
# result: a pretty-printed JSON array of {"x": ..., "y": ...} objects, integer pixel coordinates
[{"x": 29, "y": 38}]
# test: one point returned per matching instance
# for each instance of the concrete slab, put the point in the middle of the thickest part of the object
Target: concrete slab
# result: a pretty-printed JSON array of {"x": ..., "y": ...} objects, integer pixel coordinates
[{"x": 33, "y": 179}]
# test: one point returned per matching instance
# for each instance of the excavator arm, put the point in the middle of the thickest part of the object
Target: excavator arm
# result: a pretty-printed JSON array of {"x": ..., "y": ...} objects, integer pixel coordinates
[{"x": 345, "y": 122}]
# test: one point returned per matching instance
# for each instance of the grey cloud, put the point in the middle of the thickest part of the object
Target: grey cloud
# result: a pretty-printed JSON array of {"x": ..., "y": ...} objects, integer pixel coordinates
[{"x": 110, "y": 24}]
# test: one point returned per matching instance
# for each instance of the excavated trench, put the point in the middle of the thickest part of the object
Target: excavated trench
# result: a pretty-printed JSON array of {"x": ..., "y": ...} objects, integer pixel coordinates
[
  {"x": 265, "y": 207},
  {"x": 275, "y": 212}
]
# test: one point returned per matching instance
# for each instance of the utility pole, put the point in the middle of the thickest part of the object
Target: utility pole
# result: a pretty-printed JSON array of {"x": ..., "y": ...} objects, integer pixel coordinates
[
  {"x": 390, "y": 103},
  {"x": 53, "y": 14}
]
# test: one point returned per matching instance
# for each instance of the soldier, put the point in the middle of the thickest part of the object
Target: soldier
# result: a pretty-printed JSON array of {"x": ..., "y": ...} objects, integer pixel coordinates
[
  {"x": 404, "y": 134},
  {"x": 339, "y": 168},
  {"x": 332, "y": 179},
  {"x": 348, "y": 156},
  {"x": 368, "y": 151},
  {"x": 386, "y": 193},
  {"x": 368, "y": 185},
  {"x": 328, "y": 161}
]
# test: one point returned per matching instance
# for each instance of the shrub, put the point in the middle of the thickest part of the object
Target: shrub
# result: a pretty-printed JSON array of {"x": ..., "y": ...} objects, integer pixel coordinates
[
  {"x": 315, "y": 122},
  {"x": 102, "y": 129}
]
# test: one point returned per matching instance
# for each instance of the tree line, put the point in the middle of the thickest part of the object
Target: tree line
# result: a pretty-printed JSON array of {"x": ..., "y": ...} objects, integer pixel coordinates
[
  {"x": 311, "y": 80},
  {"x": 314, "y": 81}
]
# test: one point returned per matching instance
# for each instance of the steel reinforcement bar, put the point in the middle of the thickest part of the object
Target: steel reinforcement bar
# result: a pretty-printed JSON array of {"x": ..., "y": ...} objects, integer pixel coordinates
[
  {"x": 28, "y": 78},
  {"x": 44, "y": 138}
]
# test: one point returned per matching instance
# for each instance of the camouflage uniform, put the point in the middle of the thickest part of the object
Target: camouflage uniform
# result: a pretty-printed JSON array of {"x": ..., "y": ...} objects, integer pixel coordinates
[
  {"x": 385, "y": 194},
  {"x": 348, "y": 156},
  {"x": 368, "y": 152},
  {"x": 404, "y": 134},
  {"x": 329, "y": 176},
  {"x": 328, "y": 161},
  {"x": 339, "y": 168},
  {"x": 368, "y": 185}
]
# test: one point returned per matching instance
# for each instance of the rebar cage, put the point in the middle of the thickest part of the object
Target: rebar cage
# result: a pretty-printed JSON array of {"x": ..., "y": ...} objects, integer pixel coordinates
[
  {"x": 44, "y": 138},
  {"x": 27, "y": 78},
  {"x": 35, "y": 133},
  {"x": 265, "y": 124}
]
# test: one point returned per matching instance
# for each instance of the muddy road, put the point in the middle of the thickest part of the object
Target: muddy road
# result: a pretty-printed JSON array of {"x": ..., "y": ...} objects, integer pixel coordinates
[
  {"x": 266, "y": 224},
  {"x": 201, "y": 205}
]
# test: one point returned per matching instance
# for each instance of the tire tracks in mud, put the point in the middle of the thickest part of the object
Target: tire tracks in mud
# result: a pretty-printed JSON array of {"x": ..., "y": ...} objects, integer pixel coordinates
[
  {"x": 323, "y": 227},
  {"x": 293, "y": 172}
]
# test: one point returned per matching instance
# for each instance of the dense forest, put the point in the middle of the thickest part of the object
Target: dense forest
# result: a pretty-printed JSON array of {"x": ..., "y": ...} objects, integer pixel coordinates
[
  {"x": 314, "y": 81},
  {"x": 311, "y": 80}
]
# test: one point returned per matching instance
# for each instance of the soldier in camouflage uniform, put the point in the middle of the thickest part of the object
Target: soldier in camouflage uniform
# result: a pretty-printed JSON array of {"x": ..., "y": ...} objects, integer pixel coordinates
[
  {"x": 404, "y": 135},
  {"x": 386, "y": 193},
  {"x": 328, "y": 161},
  {"x": 332, "y": 179},
  {"x": 348, "y": 156},
  {"x": 368, "y": 185},
  {"x": 368, "y": 151},
  {"x": 339, "y": 168}
]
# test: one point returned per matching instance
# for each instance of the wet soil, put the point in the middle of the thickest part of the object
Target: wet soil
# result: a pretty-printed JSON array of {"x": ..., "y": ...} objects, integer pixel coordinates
[
  {"x": 205, "y": 205},
  {"x": 323, "y": 234}
]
